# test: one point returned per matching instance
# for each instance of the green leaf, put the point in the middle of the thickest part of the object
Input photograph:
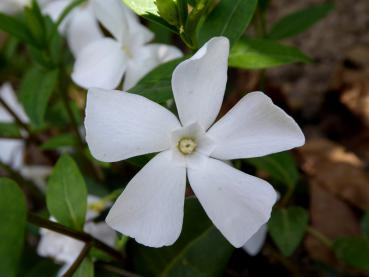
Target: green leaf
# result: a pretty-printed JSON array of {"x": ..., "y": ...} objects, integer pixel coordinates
[
  {"x": 229, "y": 18},
  {"x": 287, "y": 228},
  {"x": 365, "y": 223},
  {"x": 262, "y": 53},
  {"x": 35, "y": 23},
  {"x": 35, "y": 91},
  {"x": 299, "y": 21},
  {"x": 86, "y": 269},
  {"x": 15, "y": 27},
  {"x": 63, "y": 140},
  {"x": 9, "y": 130},
  {"x": 168, "y": 10},
  {"x": 142, "y": 7},
  {"x": 280, "y": 166},
  {"x": 354, "y": 251},
  {"x": 200, "y": 251},
  {"x": 156, "y": 85},
  {"x": 13, "y": 214},
  {"x": 66, "y": 195}
]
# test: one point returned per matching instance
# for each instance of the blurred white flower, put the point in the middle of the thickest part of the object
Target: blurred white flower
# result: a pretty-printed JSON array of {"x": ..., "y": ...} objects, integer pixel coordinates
[
  {"x": 80, "y": 26},
  {"x": 13, "y": 6},
  {"x": 104, "y": 62},
  {"x": 65, "y": 249},
  {"x": 120, "y": 125},
  {"x": 11, "y": 150},
  {"x": 16, "y": 6}
]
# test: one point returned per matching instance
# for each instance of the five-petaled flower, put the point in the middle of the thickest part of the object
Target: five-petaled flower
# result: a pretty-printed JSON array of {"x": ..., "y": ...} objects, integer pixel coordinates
[
  {"x": 120, "y": 125},
  {"x": 103, "y": 62}
]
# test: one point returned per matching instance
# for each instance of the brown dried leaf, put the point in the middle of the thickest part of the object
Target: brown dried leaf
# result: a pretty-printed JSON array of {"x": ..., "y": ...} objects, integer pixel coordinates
[
  {"x": 330, "y": 216},
  {"x": 338, "y": 171}
]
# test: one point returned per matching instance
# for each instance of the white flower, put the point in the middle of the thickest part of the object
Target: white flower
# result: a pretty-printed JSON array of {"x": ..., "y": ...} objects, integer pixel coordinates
[
  {"x": 16, "y": 6},
  {"x": 11, "y": 150},
  {"x": 121, "y": 125},
  {"x": 13, "y": 6},
  {"x": 256, "y": 242},
  {"x": 104, "y": 62},
  {"x": 65, "y": 249},
  {"x": 80, "y": 26}
]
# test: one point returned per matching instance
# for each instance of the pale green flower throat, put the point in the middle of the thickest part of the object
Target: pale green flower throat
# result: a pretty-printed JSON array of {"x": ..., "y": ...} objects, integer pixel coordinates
[{"x": 186, "y": 146}]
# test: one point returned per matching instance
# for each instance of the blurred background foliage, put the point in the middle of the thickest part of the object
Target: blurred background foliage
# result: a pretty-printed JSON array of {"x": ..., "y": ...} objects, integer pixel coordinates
[{"x": 311, "y": 57}]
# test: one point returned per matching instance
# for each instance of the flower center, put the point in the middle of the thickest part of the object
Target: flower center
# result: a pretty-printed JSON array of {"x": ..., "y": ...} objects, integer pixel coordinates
[{"x": 186, "y": 146}]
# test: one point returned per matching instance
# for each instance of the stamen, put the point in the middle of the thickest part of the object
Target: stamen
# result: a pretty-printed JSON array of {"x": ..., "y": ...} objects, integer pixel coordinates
[{"x": 186, "y": 146}]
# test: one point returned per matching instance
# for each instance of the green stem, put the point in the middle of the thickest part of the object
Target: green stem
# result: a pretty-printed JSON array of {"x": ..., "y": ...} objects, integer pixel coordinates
[
  {"x": 82, "y": 236},
  {"x": 73, "y": 268},
  {"x": 287, "y": 196},
  {"x": 23, "y": 183},
  {"x": 15, "y": 116},
  {"x": 320, "y": 237},
  {"x": 116, "y": 270}
]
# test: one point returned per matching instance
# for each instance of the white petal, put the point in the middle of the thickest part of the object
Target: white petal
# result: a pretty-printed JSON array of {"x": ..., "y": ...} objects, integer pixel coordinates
[
  {"x": 12, "y": 152},
  {"x": 150, "y": 209},
  {"x": 138, "y": 33},
  {"x": 102, "y": 232},
  {"x": 83, "y": 29},
  {"x": 8, "y": 95},
  {"x": 37, "y": 174},
  {"x": 199, "y": 83},
  {"x": 256, "y": 242},
  {"x": 146, "y": 58},
  {"x": 253, "y": 128},
  {"x": 100, "y": 64},
  {"x": 237, "y": 203},
  {"x": 111, "y": 14},
  {"x": 166, "y": 53},
  {"x": 120, "y": 125}
]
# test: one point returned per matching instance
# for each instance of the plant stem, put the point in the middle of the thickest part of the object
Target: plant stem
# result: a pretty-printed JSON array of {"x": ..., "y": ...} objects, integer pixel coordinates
[
  {"x": 320, "y": 237},
  {"x": 24, "y": 183},
  {"x": 73, "y": 268},
  {"x": 15, "y": 116},
  {"x": 82, "y": 236},
  {"x": 116, "y": 270}
]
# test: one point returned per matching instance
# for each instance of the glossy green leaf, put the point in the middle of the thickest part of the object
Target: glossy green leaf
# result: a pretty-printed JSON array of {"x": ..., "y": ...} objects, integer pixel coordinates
[
  {"x": 63, "y": 140},
  {"x": 200, "y": 251},
  {"x": 229, "y": 18},
  {"x": 156, "y": 85},
  {"x": 9, "y": 130},
  {"x": 13, "y": 213},
  {"x": 262, "y": 53},
  {"x": 168, "y": 10},
  {"x": 86, "y": 268},
  {"x": 142, "y": 7},
  {"x": 36, "y": 89},
  {"x": 280, "y": 166},
  {"x": 66, "y": 195},
  {"x": 299, "y": 21},
  {"x": 287, "y": 228},
  {"x": 35, "y": 22},
  {"x": 365, "y": 223},
  {"x": 15, "y": 27},
  {"x": 354, "y": 251}
]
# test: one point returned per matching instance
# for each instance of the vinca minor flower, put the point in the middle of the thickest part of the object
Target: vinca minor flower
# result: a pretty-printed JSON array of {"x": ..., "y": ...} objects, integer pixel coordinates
[
  {"x": 103, "y": 62},
  {"x": 120, "y": 125},
  {"x": 80, "y": 26}
]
